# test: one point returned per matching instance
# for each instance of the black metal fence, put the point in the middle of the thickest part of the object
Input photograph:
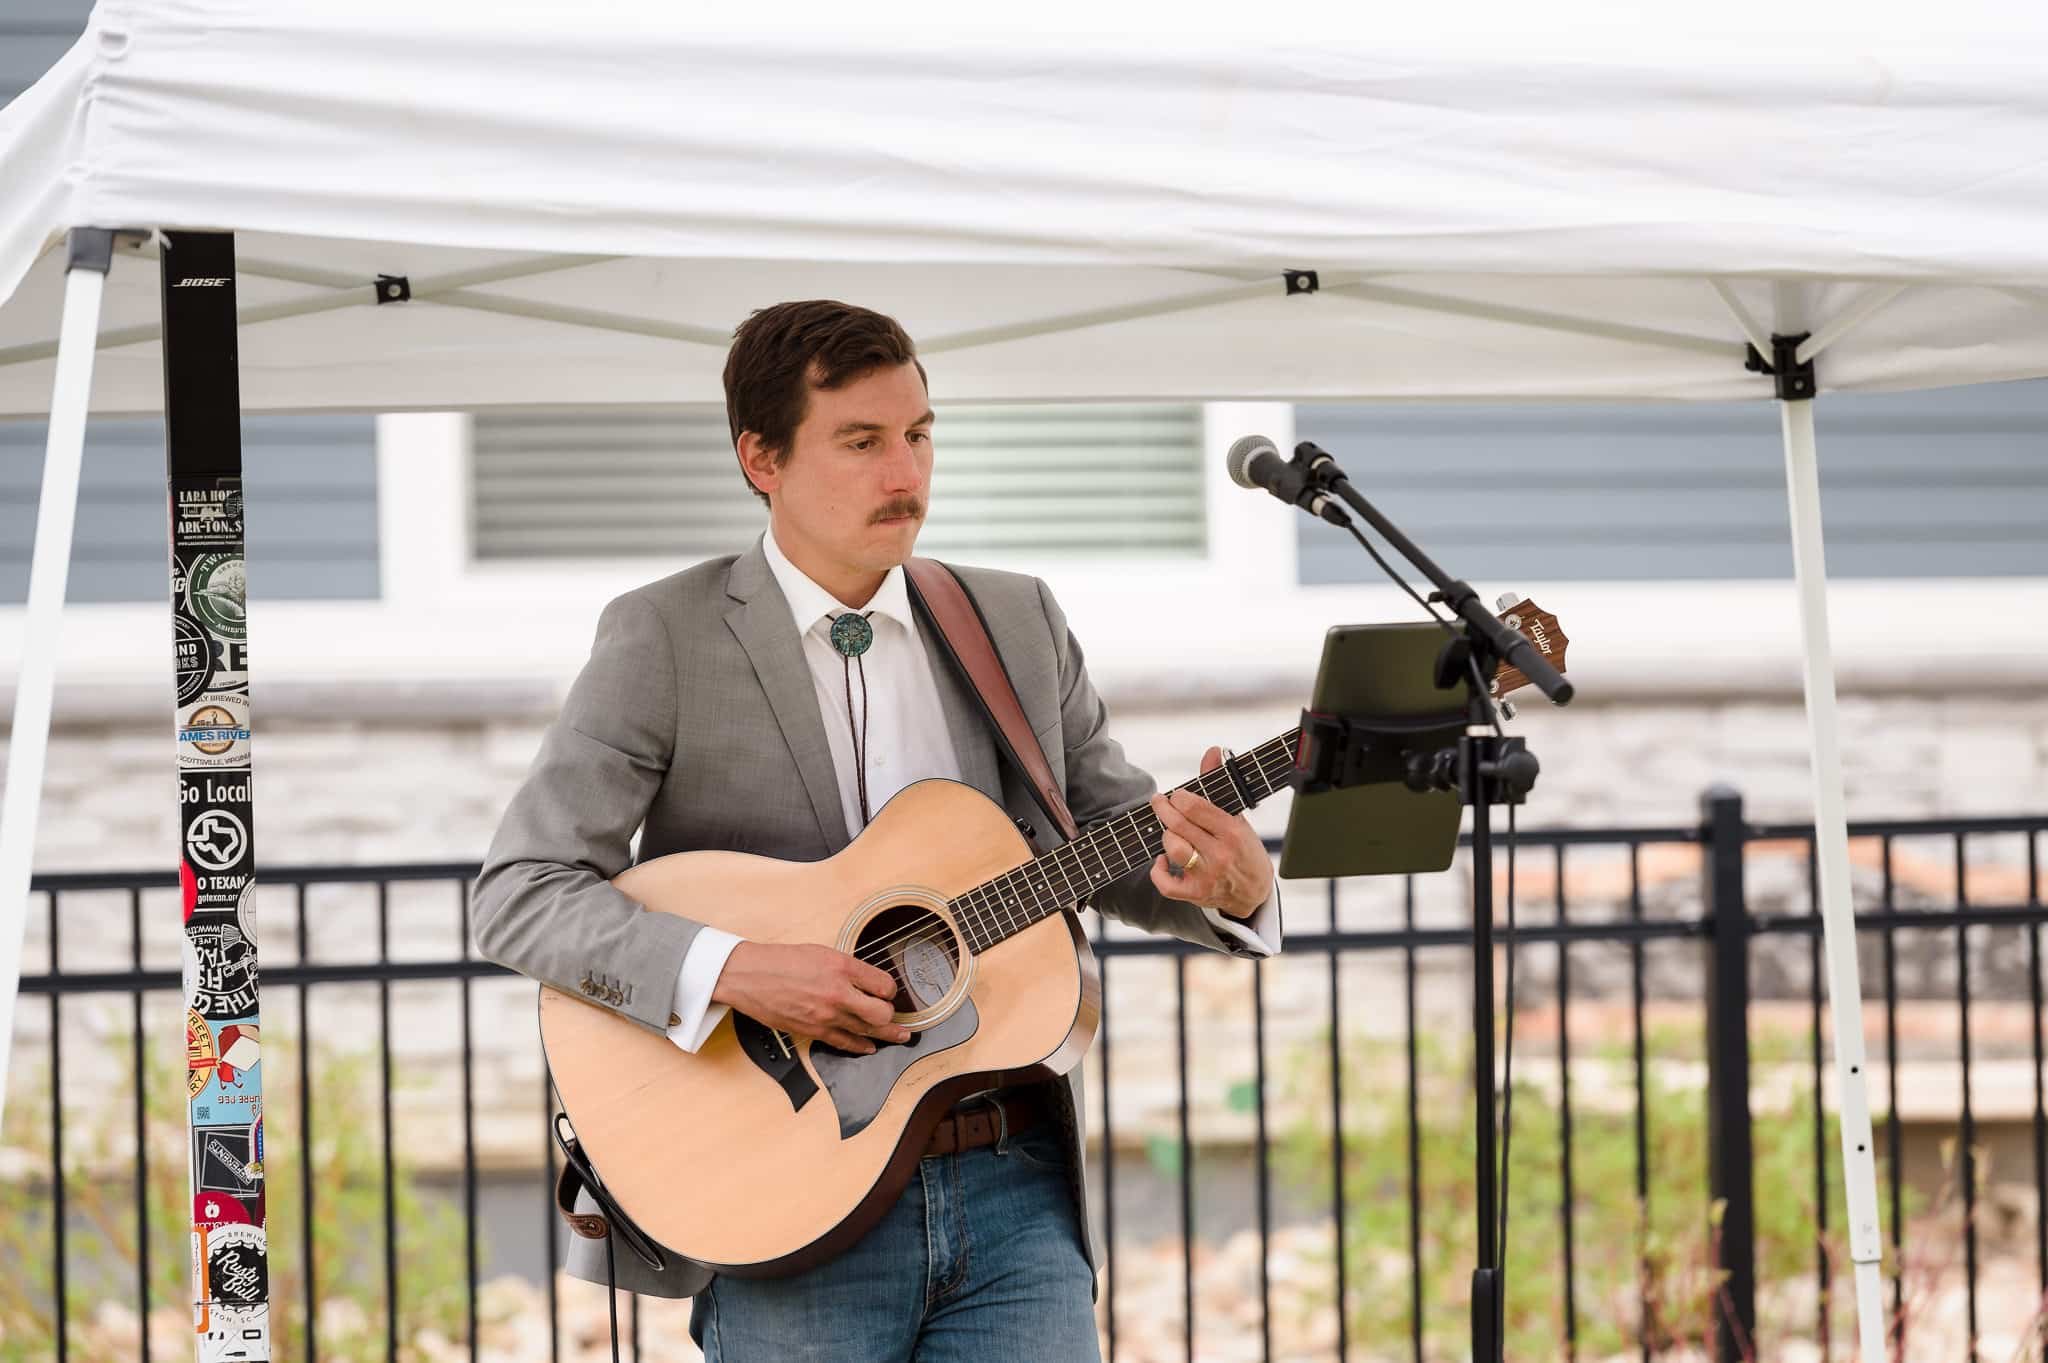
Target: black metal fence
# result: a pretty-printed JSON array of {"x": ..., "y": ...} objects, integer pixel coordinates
[{"x": 1727, "y": 928}]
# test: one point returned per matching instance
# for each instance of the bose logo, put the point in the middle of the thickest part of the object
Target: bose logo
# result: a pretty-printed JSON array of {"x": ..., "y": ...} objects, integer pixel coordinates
[{"x": 199, "y": 283}]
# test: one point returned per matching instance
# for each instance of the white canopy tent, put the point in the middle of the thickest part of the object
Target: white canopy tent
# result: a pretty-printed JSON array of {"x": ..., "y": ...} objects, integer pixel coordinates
[{"x": 576, "y": 205}]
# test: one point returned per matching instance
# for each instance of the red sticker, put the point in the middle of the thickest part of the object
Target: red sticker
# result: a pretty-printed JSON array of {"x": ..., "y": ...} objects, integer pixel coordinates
[
  {"x": 220, "y": 1209},
  {"x": 189, "y": 885}
]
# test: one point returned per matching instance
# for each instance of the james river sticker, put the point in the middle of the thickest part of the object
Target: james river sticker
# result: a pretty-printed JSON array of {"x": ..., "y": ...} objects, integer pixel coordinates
[{"x": 214, "y": 732}]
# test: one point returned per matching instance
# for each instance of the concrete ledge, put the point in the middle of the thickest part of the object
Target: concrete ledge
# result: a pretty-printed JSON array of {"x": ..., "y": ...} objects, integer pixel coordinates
[{"x": 497, "y": 696}]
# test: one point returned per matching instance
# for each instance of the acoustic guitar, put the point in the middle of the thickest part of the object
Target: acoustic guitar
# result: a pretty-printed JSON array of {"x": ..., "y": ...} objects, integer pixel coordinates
[{"x": 764, "y": 1154}]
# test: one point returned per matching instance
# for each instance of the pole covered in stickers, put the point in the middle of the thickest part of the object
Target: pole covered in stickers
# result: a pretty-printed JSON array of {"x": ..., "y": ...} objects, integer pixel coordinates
[{"x": 217, "y": 864}]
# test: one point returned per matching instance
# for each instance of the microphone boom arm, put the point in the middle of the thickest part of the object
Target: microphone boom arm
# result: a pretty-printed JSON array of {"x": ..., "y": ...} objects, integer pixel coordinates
[{"x": 1508, "y": 645}]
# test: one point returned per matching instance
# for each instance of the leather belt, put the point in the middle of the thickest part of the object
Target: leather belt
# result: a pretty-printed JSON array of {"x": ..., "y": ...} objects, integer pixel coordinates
[{"x": 976, "y": 1123}]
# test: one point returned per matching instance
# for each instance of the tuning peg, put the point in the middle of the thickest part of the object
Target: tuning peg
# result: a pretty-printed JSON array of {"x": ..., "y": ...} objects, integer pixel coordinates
[{"x": 1506, "y": 599}]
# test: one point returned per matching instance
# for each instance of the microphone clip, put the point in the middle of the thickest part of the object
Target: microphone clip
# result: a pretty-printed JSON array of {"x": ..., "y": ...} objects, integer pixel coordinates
[{"x": 1318, "y": 475}]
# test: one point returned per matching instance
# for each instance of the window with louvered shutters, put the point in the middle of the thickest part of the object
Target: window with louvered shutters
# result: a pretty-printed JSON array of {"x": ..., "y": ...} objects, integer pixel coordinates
[
  {"x": 1947, "y": 483},
  {"x": 33, "y": 34},
  {"x": 1071, "y": 480}
]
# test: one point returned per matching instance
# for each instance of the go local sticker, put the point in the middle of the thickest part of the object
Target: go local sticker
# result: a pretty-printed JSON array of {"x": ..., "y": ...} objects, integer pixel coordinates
[
  {"x": 219, "y": 819},
  {"x": 216, "y": 831}
]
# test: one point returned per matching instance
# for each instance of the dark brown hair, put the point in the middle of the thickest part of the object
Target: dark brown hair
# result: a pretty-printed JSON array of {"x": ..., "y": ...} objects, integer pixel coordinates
[{"x": 780, "y": 353}]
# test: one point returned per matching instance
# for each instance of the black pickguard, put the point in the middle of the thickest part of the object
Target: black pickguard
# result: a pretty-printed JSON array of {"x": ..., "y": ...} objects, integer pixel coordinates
[{"x": 860, "y": 1084}]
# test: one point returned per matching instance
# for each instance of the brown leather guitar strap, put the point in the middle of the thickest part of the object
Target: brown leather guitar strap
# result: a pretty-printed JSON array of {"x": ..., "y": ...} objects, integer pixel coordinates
[{"x": 965, "y": 634}]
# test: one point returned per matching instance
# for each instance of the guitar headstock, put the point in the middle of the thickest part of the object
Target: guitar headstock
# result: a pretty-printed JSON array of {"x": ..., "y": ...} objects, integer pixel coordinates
[{"x": 1540, "y": 627}]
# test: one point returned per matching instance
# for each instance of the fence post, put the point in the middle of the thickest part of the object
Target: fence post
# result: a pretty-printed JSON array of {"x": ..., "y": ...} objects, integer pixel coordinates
[{"x": 1730, "y": 1154}]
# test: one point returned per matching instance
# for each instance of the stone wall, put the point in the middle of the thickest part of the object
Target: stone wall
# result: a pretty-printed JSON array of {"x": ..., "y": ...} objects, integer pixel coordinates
[{"x": 374, "y": 776}]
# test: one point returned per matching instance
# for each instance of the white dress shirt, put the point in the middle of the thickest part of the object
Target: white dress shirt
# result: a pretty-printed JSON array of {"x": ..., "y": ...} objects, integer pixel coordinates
[{"x": 905, "y": 738}]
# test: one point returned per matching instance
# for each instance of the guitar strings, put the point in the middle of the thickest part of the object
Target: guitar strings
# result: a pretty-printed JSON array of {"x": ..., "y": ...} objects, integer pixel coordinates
[
  {"x": 1266, "y": 767},
  {"x": 922, "y": 930}
]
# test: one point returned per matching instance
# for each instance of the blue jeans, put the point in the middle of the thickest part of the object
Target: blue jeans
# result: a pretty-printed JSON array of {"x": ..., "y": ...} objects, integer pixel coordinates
[{"x": 980, "y": 1258}]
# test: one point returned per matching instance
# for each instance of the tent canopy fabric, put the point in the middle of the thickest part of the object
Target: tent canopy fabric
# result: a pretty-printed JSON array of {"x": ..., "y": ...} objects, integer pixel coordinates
[{"x": 585, "y": 200}]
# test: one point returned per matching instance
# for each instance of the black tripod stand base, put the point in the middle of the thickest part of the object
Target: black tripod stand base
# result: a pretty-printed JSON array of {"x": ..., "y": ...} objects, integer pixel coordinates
[{"x": 1486, "y": 1312}]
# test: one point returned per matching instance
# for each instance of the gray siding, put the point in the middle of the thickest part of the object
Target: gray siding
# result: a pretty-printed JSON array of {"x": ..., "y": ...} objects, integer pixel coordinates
[
  {"x": 1951, "y": 483},
  {"x": 33, "y": 34},
  {"x": 309, "y": 485}
]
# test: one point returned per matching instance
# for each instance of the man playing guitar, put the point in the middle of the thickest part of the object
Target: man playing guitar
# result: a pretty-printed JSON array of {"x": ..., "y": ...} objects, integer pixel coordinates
[{"x": 772, "y": 702}]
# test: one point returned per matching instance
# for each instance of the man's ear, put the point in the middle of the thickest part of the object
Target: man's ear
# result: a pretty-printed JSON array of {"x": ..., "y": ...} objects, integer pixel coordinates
[{"x": 757, "y": 461}]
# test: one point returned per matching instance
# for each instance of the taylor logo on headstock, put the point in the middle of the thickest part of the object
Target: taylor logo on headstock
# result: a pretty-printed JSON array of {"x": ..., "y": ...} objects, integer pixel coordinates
[{"x": 1540, "y": 626}]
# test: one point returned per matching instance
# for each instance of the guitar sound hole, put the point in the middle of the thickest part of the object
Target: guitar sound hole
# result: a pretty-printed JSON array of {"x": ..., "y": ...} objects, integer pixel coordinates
[{"x": 918, "y": 950}]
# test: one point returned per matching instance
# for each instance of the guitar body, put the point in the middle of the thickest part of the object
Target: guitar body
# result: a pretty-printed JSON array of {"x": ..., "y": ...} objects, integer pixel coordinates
[{"x": 761, "y": 1154}]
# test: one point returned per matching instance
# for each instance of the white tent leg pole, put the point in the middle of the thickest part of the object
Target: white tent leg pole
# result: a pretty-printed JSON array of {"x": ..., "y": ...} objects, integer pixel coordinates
[
  {"x": 28, "y": 744},
  {"x": 1831, "y": 843}
]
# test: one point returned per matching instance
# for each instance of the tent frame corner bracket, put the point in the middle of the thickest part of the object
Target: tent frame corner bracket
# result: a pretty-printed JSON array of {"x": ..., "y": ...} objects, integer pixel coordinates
[{"x": 1794, "y": 376}]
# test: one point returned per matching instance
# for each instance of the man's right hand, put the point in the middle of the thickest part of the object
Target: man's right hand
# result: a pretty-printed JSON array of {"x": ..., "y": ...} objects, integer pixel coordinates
[{"x": 811, "y": 991}]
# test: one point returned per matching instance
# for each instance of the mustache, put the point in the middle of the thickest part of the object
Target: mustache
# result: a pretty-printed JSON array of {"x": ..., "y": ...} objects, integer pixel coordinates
[{"x": 904, "y": 507}]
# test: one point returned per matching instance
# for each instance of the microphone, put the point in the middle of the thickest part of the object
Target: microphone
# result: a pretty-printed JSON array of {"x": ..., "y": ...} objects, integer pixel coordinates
[{"x": 1255, "y": 462}]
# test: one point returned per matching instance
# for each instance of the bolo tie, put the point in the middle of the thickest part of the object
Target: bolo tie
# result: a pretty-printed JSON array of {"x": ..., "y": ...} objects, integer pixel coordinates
[{"x": 852, "y": 636}]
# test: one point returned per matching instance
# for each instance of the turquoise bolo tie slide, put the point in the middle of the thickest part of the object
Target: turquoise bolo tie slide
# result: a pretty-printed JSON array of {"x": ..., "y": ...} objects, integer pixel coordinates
[{"x": 851, "y": 634}]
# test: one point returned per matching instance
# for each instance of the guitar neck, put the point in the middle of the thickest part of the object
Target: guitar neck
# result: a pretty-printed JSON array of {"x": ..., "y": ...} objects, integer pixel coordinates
[{"x": 1111, "y": 849}]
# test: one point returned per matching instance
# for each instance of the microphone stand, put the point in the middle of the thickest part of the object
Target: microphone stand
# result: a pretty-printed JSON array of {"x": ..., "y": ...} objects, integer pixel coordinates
[{"x": 1485, "y": 769}]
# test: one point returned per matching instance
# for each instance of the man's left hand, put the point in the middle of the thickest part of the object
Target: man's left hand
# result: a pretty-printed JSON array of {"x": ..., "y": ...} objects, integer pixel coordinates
[{"x": 1232, "y": 872}]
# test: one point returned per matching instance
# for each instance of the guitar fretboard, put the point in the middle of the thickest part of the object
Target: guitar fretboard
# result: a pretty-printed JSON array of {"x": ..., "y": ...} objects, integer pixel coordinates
[{"x": 1111, "y": 849}]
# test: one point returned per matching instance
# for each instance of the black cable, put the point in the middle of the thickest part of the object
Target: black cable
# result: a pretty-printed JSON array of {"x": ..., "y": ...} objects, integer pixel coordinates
[
  {"x": 611, "y": 1292},
  {"x": 1399, "y": 581},
  {"x": 1507, "y": 1125},
  {"x": 615, "y": 1224},
  {"x": 1508, "y": 1047}
]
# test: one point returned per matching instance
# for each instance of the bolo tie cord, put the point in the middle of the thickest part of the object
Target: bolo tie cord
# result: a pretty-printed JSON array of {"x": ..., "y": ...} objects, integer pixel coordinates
[{"x": 852, "y": 636}]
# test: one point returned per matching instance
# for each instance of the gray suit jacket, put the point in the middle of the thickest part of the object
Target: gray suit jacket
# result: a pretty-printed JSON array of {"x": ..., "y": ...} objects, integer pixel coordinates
[{"x": 696, "y": 717}]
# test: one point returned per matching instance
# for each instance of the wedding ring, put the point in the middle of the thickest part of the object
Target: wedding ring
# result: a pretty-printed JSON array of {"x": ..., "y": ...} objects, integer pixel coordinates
[{"x": 1189, "y": 864}]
